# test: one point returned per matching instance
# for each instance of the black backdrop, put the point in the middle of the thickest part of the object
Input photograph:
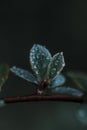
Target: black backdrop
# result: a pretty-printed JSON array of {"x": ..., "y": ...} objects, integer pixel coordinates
[{"x": 60, "y": 25}]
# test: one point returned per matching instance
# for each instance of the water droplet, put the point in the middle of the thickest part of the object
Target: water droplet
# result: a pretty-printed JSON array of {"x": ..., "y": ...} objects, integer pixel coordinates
[
  {"x": 63, "y": 64},
  {"x": 35, "y": 67},
  {"x": 53, "y": 70},
  {"x": 33, "y": 57},
  {"x": 33, "y": 51},
  {"x": 57, "y": 61},
  {"x": 32, "y": 61},
  {"x": 37, "y": 56},
  {"x": 21, "y": 72},
  {"x": 42, "y": 54},
  {"x": 36, "y": 48},
  {"x": 37, "y": 72},
  {"x": 47, "y": 58},
  {"x": 61, "y": 53}
]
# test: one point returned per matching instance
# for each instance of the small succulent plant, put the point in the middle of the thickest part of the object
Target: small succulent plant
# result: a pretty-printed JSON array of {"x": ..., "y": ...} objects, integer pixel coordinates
[{"x": 46, "y": 72}]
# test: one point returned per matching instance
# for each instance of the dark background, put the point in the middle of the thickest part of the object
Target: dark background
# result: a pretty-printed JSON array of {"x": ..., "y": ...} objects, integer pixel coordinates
[{"x": 60, "y": 25}]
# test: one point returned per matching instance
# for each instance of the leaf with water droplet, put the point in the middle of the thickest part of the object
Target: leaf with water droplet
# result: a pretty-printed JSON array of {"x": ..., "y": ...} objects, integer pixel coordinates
[
  {"x": 67, "y": 91},
  {"x": 56, "y": 65},
  {"x": 4, "y": 72},
  {"x": 79, "y": 79},
  {"x": 58, "y": 81},
  {"x": 24, "y": 74},
  {"x": 39, "y": 59}
]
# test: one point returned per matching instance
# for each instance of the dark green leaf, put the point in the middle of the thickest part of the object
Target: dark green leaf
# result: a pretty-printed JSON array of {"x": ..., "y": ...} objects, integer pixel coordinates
[
  {"x": 56, "y": 65},
  {"x": 80, "y": 80},
  {"x": 4, "y": 71},
  {"x": 40, "y": 58},
  {"x": 67, "y": 91},
  {"x": 58, "y": 81},
  {"x": 24, "y": 74}
]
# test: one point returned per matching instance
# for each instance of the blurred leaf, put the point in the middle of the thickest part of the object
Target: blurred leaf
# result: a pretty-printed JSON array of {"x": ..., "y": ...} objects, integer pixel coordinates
[
  {"x": 56, "y": 65},
  {"x": 67, "y": 91},
  {"x": 24, "y": 74},
  {"x": 2, "y": 103},
  {"x": 79, "y": 79},
  {"x": 39, "y": 58},
  {"x": 58, "y": 81},
  {"x": 4, "y": 71},
  {"x": 81, "y": 113}
]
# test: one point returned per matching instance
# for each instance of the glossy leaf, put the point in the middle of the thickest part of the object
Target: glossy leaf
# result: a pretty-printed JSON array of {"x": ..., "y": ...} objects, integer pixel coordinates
[
  {"x": 40, "y": 58},
  {"x": 67, "y": 91},
  {"x": 4, "y": 72},
  {"x": 56, "y": 65},
  {"x": 24, "y": 74},
  {"x": 58, "y": 81},
  {"x": 79, "y": 79}
]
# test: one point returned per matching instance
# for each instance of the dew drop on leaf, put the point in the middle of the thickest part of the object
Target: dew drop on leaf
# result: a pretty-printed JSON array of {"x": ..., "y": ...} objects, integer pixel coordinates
[
  {"x": 56, "y": 65},
  {"x": 53, "y": 70},
  {"x": 39, "y": 59},
  {"x": 24, "y": 74}
]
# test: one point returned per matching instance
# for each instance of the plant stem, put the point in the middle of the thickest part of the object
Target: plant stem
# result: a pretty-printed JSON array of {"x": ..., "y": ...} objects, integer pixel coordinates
[{"x": 31, "y": 98}]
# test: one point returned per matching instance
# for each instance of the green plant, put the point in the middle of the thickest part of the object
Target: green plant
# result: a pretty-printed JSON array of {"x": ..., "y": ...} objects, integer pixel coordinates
[
  {"x": 47, "y": 72},
  {"x": 50, "y": 83}
]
